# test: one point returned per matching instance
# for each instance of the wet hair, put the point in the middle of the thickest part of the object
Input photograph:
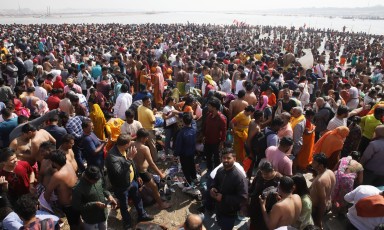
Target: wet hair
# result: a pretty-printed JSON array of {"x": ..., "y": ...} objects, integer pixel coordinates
[
  {"x": 67, "y": 137},
  {"x": 277, "y": 121},
  {"x": 249, "y": 108},
  {"x": 21, "y": 119},
  {"x": 28, "y": 128},
  {"x": 248, "y": 86},
  {"x": 286, "y": 141},
  {"x": 258, "y": 114},
  {"x": 241, "y": 93},
  {"x": 300, "y": 184},
  {"x": 355, "y": 155},
  {"x": 142, "y": 133},
  {"x": 58, "y": 156},
  {"x": 321, "y": 159},
  {"x": 123, "y": 139},
  {"x": 92, "y": 172},
  {"x": 266, "y": 167},
  {"x": 54, "y": 118},
  {"x": 6, "y": 112},
  {"x": 48, "y": 146},
  {"x": 26, "y": 206},
  {"x": 187, "y": 118},
  {"x": 286, "y": 184},
  {"x": 5, "y": 154}
]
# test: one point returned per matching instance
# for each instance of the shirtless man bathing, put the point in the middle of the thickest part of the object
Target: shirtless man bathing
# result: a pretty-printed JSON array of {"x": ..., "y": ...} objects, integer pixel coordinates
[{"x": 143, "y": 160}]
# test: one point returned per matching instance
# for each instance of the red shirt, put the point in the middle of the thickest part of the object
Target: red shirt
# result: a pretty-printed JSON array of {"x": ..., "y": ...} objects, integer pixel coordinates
[
  {"x": 18, "y": 180},
  {"x": 215, "y": 128},
  {"x": 53, "y": 102}
]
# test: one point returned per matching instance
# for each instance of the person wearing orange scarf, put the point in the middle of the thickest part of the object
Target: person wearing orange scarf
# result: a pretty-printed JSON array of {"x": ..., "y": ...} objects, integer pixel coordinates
[
  {"x": 298, "y": 125},
  {"x": 331, "y": 143},
  {"x": 305, "y": 155}
]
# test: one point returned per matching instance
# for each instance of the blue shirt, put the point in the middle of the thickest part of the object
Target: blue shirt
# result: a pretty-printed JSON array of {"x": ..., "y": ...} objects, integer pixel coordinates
[
  {"x": 96, "y": 72},
  {"x": 90, "y": 144},
  {"x": 6, "y": 128},
  {"x": 186, "y": 142},
  {"x": 13, "y": 221}
]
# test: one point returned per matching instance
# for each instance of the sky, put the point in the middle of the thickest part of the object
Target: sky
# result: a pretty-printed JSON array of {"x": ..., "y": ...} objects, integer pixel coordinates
[{"x": 183, "y": 5}]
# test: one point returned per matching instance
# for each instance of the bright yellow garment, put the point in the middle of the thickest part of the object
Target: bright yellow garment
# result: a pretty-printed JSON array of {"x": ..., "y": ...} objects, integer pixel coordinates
[
  {"x": 113, "y": 130},
  {"x": 98, "y": 119},
  {"x": 296, "y": 120},
  {"x": 240, "y": 131}
]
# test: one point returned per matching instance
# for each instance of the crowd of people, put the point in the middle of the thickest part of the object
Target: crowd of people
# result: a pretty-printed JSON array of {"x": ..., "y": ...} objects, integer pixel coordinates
[{"x": 86, "y": 108}]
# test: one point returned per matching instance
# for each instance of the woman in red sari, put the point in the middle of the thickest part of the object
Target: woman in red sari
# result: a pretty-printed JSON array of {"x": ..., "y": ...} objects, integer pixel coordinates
[{"x": 158, "y": 85}]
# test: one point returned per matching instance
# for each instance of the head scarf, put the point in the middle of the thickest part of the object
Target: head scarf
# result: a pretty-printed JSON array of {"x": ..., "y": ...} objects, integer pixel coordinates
[
  {"x": 209, "y": 79},
  {"x": 331, "y": 141},
  {"x": 264, "y": 99},
  {"x": 159, "y": 73},
  {"x": 98, "y": 119},
  {"x": 58, "y": 83}
]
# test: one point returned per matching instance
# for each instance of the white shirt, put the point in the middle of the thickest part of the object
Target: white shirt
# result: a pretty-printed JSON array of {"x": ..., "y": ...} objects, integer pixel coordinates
[
  {"x": 28, "y": 64},
  {"x": 319, "y": 70},
  {"x": 362, "y": 223},
  {"x": 239, "y": 86},
  {"x": 304, "y": 98},
  {"x": 336, "y": 122},
  {"x": 226, "y": 86},
  {"x": 130, "y": 129},
  {"x": 123, "y": 102},
  {"x": 41, "y": 93}
]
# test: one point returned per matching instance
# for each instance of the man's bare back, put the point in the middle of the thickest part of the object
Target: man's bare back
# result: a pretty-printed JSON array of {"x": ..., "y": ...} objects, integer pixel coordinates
[
  {"x": 62, "y": 183},
  {"x": 290, "y": 209},
  {"x": 40, "y": 137},
  {"x": 236, "y": 106},
  {"x": 250, "y": 98},
  {"x": 324, "y": 182},
  {"x": 70, "y": 155}
]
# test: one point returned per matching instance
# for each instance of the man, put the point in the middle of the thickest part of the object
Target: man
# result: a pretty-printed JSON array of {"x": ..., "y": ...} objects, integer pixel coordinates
[
  {"x": 74, "y": 127},
  {"x": 356, "y": 197},
  {"x": 82, "y": 78},
  {"x": 62, "y": 182},
  {"x": 287, "y": 210},
  {"x": 237, "y": 105},
  {"x": 339, "y": 120},
  {"x": 26, "y": 208},
  {"x": 193, "y": 222},
  {"x": 65, "y": 104},
  {"x": 321, "y": 188},
  {"x": 250, "y": 96},
  {"x": 79, "y": 109},
  {"x": 229, "y": 190},
  {"x": 147, "y": 119},
  {"x": 71, "y": 86},
  {"x": 19, "y": 174},
  {"x": 123, "y": 102},
  {"x": 68, "y": 141},
  {"x": 53, "y": 101},
  {"x": 124, "y": 179},
  {"x": 298, "y": 127},
  {"x": 214, "y": 133},
  {"x": 143, "y": 160},
  {"x": 6, "y": 126},
  {"x": 56, "y": 131},
  {"x": 117, "y": 87},
  {"x": 368, "y": 125},
  {"x": 353, "y": 101},
  {"x": 322, "y": 116},
  {"x": 5, "y": 91},
  {"x": 278, "y": 156},
  {"x": 372, "y": 159},
  {"x": 27, "y": 145},
  {"x": 225, "y": 85},
  {"x": 304, "y": 95},
  {"x": 93, "y": 147},
  {"x": 130, "y": 125},
  {"x": 285, "y": 104},
  {"x": 45, "y": 171},
  {"x": 104, "y": 87},
  {"x": 91, "y": 199},
  {"x": 40, "y": 92}
]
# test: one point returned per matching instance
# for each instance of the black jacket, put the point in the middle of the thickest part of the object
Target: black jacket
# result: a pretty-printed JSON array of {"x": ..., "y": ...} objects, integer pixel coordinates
[
  {"x": 233, "y": 185},
  {"x": 118, "y": 169}
]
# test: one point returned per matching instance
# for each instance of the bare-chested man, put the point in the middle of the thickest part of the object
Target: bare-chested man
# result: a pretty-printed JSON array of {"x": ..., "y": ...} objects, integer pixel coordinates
[
  {"x": 62, "y": 182},
  {"x": 250, "y": 96},
  {"x": 143, "y": 160},
  {"x": 321, "y": 188},
  {"x": 216, "y": 73},
  {"x": 68, "y": 141},
  {"x": 237, "y": 105},
  {"x": 27, "y": 145},
  {"x": 45, "y": 170},
  {"x": 287, "y": 210}
]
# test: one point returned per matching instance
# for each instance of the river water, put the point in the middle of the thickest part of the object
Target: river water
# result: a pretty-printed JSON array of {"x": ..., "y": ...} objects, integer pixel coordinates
[{"x": 355, "y": 25}]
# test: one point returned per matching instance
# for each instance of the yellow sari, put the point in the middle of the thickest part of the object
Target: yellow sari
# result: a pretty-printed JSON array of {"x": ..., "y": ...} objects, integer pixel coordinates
[
  {"x": 98, "y": 119},
  {"x": 113, "y": 130},
  {"x": 240, "y": 131}
]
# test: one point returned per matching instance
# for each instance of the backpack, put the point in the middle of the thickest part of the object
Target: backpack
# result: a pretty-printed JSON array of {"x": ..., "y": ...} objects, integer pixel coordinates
[{"x": 259, "y": 143}]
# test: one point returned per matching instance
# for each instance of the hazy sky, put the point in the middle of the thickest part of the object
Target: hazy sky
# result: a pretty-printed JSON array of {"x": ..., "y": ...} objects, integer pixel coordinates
[{"x": 169, "y": 5}]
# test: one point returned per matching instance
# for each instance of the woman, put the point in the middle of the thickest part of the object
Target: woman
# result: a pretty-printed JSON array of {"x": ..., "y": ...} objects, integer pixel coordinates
[
  {"x": 331, "y": 144},
  {"x": 170, "y": 120},
  {"x": 264, "y": 107},
  {"x": 253, "y": 130},
  {"x": 239, "y": 125},
  {"x": 305, "y": 155},
  {"x": 112, "y": 128},
  {"x": 98, "y": 119},
  {"x": 266, "y": 177},
  {"x": 302, "y": 190},
  {"x": 58, "y": 84},
  {"x": 349, "y": 175},
  {"x": 353, "y": 140}
]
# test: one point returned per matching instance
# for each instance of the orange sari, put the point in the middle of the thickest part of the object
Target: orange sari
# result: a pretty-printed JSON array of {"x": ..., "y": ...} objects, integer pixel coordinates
[
  {"x": 305, "y": 155},
  {"x": 331, "y": 143},
  {"x": 158, "y": 86},
  {"x": 240, "y": 131}
]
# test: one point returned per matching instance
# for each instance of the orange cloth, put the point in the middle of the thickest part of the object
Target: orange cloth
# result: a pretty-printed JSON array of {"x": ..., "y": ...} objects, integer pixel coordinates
[
  {"x": 113, "y": 130},
  {"x": 240, "y": 131},
  {"x": 305, "y": 155},
  {"x": 332, "y": 142},
  {"x": 98, "y": 119},
  {"x": 158, "y": 86},
  {"x": 271, "y": 99}
]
